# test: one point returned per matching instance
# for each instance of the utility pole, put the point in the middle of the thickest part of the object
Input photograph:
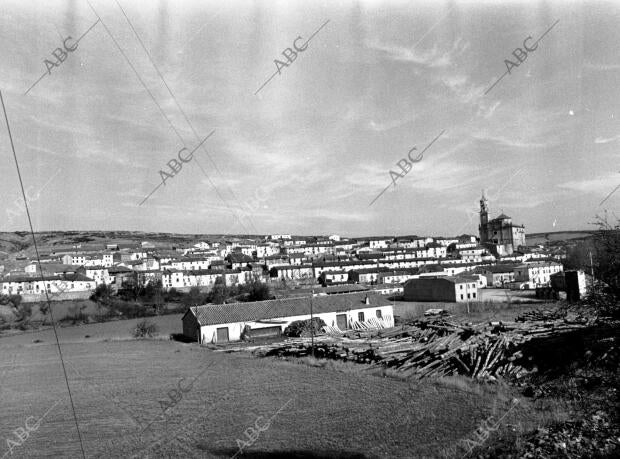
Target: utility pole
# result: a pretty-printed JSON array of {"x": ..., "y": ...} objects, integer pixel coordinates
[
  {"x": 312, "y": 322},
  {"x": 592, "y": 272}
]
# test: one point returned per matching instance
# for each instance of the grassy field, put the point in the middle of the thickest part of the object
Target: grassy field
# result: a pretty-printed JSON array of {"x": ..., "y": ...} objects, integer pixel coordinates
[
  {"x": 118, "y": 384},
  {"x": 113, "y": 330},
  {"x": 493, "y": 306}
]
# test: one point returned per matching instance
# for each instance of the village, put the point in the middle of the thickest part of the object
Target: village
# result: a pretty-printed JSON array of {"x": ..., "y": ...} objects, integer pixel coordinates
[
  {"x": 313, "y": 230},
  {"x": 295, "y": 268},
  {"x": 489, "y": 308}
]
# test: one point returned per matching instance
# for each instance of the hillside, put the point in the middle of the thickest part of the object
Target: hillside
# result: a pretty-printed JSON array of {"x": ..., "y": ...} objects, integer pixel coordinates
[
  {"x": 542, "y": 238},
  {"x": 20, "y": 242}
]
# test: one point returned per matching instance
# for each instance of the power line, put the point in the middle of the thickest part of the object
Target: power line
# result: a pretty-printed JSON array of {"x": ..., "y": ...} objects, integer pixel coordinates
[
  {"x": 49, "y": 304},
  {"x": 159, "y": 106},
  {"x": 187, "y": 120}
]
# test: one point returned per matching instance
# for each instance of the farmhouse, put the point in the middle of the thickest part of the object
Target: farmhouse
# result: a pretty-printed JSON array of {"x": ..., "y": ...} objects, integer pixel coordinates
[
  {"x": 441, "y": 288},
  {"x": 219, "y": 323}
]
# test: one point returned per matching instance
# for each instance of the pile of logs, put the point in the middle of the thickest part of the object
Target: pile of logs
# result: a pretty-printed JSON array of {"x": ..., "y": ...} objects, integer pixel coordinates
[
  {"x": 541, "y": 315},
  {"x": 428, "y": 347}
]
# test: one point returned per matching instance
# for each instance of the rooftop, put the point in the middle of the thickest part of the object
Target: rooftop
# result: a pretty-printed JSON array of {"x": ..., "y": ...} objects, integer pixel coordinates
[{"x": 285, "y": 307}]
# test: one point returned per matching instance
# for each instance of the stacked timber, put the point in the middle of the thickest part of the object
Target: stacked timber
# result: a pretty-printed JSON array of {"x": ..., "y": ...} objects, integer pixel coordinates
[
  {"x": 541, "y": 315},
  {"x": 428, "y": 347}
]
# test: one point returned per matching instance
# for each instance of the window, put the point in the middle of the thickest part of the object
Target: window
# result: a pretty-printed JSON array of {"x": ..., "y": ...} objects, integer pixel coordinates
[
  {"x": 474, "y": 295},
  {"x": 461, "y": 286},
  {"x": 468, "y": 296},
  {"x": 379, "y": 316},
  {"x": 360, "y": 317},
  {"x": 461, "y": 296}
]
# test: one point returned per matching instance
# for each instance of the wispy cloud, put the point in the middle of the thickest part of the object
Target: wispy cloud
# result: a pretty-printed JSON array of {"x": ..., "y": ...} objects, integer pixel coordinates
[
  {"x": 601, "y": 67},
  {"x": 432, "y": 58},
  {"x": 606, "y": 140},
  {"x": 597, "y": 185},
  {"x": 379, "y": 126},
  {"x": 508, "y": 142}
]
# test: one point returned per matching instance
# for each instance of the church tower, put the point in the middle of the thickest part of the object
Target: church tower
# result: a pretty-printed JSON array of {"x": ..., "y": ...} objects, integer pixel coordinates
[{"x": 484, "y": 218}]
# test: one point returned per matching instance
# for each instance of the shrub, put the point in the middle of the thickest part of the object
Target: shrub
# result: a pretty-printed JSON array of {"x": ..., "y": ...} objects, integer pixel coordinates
[
  {"x": 304, "y": 327},
  {"x": 102, "y": 294},
  {"x": 194, "y": 297},
  {"x": 24, "y": 311},
  {"x": 258, "y": 291},
  {"x": 145, "y": 329}
]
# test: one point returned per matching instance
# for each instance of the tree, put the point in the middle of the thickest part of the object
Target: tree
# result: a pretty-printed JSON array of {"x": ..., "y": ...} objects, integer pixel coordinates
[
  {"x": 102, "y": 294},
  {"x": 578, "y": 256},
  {"x": 24, "y": 312},
  {"x": 606, "y": 263},
  {"x": 258, "y": 291},
  {"x": 607, "y": 246},
  {"x": 194, "y": 297},
  {"x": 152, "y": 290},
  {"x": 220, "y": 292}
]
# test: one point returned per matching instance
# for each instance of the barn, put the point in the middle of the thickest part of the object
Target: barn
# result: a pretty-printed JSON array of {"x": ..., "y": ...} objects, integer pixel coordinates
[{"x": 218, "y": 323}]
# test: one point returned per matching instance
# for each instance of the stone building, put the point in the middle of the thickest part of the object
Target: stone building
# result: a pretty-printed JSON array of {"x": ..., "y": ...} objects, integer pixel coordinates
[{"x": 499, "y": 235}]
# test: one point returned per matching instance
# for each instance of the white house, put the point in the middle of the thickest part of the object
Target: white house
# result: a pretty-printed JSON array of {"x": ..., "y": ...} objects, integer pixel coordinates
[
  {"x": 266, "y": 250},
  {"x": 184, "y": 280},
  {"x": 99, "y": 274},
  {"x": 537, "y": 272},
  {"x": 53, "y": 284},
  {"x": 75, "y": 259},
  {"x": 396, "y": 277},
  {"x": 379, "y": 243},
  {"x": 221, "y": 323},
  {"x": 291, "y": 271},
  {"x": 275, "y": 237}
]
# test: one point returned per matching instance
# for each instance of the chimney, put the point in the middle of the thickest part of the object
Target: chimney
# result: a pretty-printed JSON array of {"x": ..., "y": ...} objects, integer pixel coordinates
[{"x": 366, "y": 300}]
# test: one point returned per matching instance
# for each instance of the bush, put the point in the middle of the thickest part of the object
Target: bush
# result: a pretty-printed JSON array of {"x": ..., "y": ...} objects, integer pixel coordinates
[
  {"x": 11, "y": 300},
  {"x": 129, "y": 310},
  {"x": 76, "y": 314},
  {"x": 194, "y": 297},
  {"x": 304, "y": 327},
  {"x": 102, "y": 294},
  {"x": 24, "y": 311},
  {"x": 258, "y": 291},
  {"x": 145, "y": 329}
]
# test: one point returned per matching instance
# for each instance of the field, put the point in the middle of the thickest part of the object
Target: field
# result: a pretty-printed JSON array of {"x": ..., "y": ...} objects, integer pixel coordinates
[
  {"x": 493, "y": 306},
  {"x": 118, "y": 384}
]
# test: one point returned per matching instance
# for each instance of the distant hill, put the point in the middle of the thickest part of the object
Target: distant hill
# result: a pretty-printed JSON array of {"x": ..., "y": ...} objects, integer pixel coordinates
[
  {"x": 541, "y": 238},
  {"x": 20, "y": 242}
]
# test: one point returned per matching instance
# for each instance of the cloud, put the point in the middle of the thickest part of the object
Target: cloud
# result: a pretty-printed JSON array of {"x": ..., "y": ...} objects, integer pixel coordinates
[
  {"x": 601, "y": 67},
  {"x": 606, "y": 140},
  {"x": 465, "y": 92},
  {"x": 433, "y": 58},
  {"x": 387, "y": 125},
  {"x": 598, "y": 185},
  {"x": 505, "y": 141}
]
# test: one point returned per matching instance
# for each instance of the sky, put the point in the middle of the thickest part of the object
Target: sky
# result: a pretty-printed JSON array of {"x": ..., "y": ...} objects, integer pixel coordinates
[{"x": 310, "y": 151}]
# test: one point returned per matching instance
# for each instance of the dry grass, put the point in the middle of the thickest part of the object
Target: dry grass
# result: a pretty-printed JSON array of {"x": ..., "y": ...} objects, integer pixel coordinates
[
  {"x": 117, "y": 387},
  {"x": 118, "y": 382}
]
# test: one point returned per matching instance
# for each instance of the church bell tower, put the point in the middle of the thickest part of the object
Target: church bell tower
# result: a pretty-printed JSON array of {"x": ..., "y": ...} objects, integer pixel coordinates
[{"x": 484, "y": 218}]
